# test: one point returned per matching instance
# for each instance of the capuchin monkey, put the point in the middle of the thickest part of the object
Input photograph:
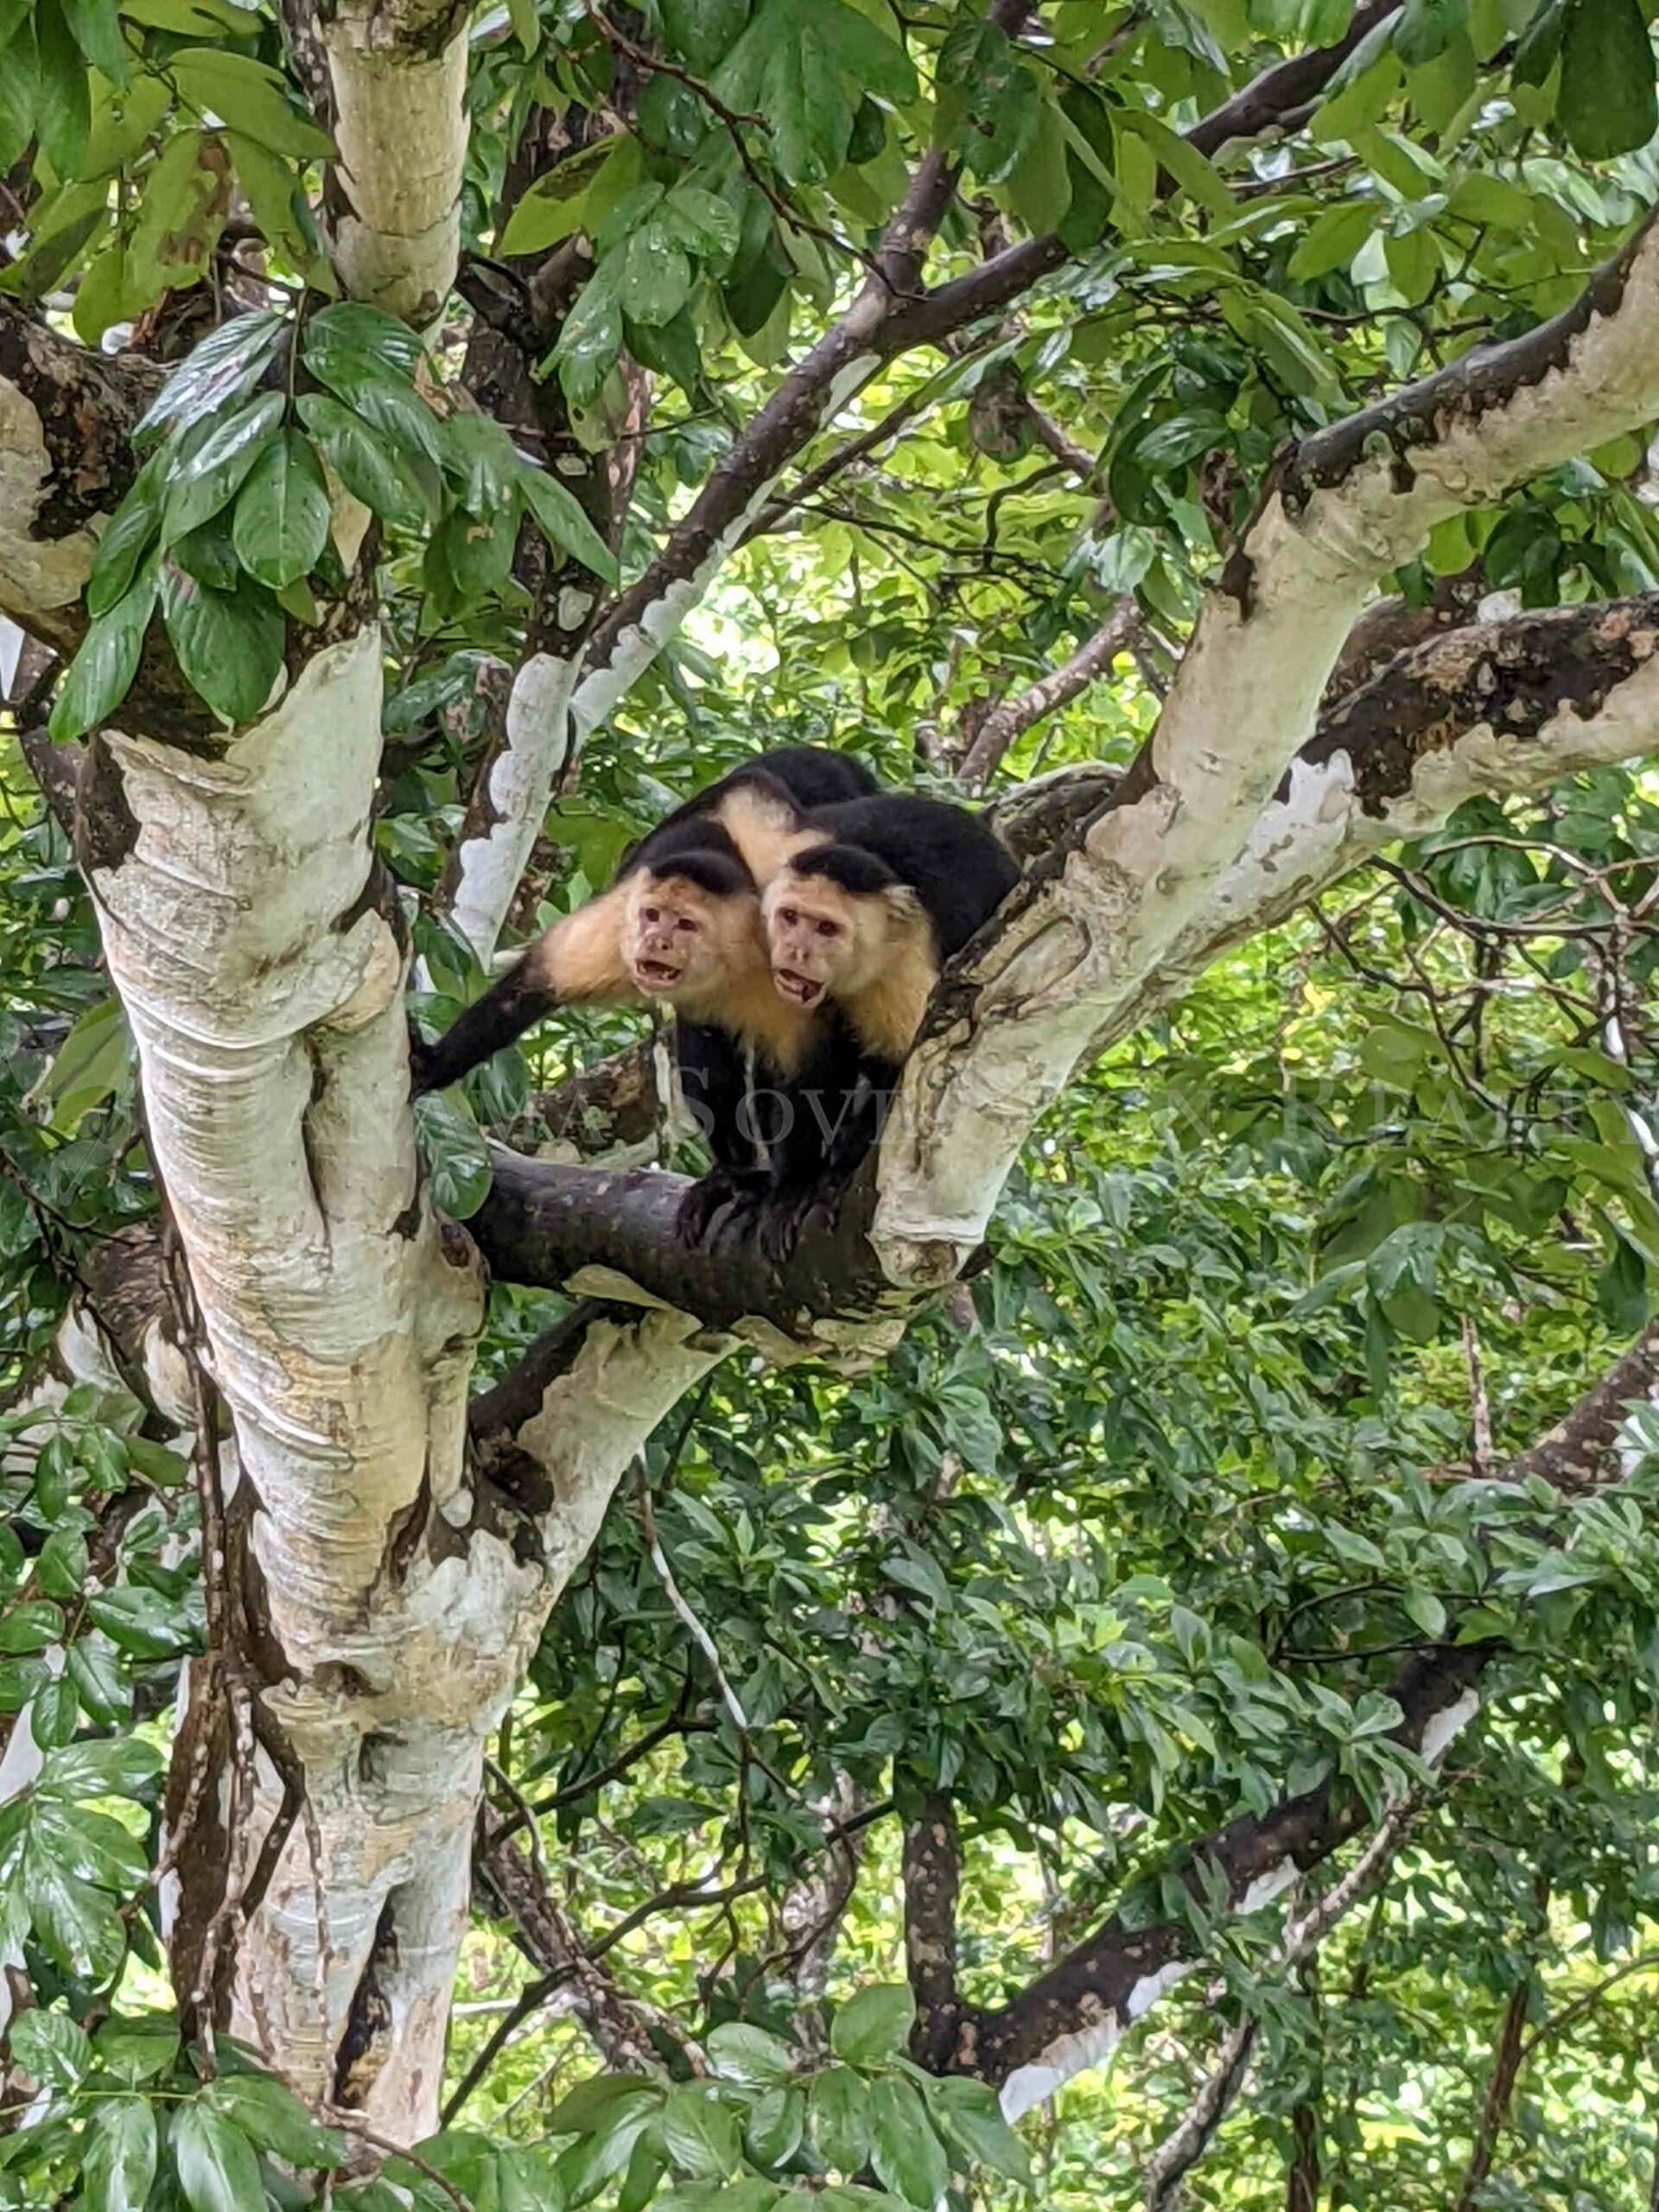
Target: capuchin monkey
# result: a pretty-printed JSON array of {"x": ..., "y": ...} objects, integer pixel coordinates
[
  {"x": 680, "y": 925},
  {"x": 878, "y": 893}
]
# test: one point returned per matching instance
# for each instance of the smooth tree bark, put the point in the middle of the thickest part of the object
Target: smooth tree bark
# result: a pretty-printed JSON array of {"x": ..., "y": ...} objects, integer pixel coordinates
[{"x": 391, "y": 1551}]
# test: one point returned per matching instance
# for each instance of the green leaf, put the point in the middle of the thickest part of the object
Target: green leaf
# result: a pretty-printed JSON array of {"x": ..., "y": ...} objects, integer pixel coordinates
[
  {"x": 469, "y": 557},
  {"x": 34, "y": 1626},
  {"x": 1426, "y": 27},
  {"x": 55, "y": 1710},
  {"x": 838, "y": 2106},
  {"x": 1539, "y": 44},
  {"x": 740, "y": 2053},
  {"x": 371, "y": 470},
  {"x": 217, "y": 467},
  {"x": 590, "y": 339},
  {"x": 874, "y": 2025},
  {"x": 709, "y": 226},
  {"x": 229, "y": 645},
  {"x": 458, "y": 1156},
  {"x": 105, "y": 1693},
  {"x": 1426, "y": 1611},
  {"x": 229, "y": 362},
  {"x": 653, "y": 282},
  {"x": 350, "y": 326},
  {"x": 273, "y": 2118},
  {"x": 593, "y": 2107},
  {"x": 1333, "y": 241},
  {"x": 1607, "y": 103},
  {"x": 19, "y": 76},
  {"x": 214, "y": 2161},
  {"x": 61, "y": 1567},
  {"x": 390, "y": 404},
  {"x": 777, "y": 2123},
  {"x": 281, "y": 512},
  {"x": 117, "y": 1766},
  {"x": 699, "y": 2134},
  {"x": 971, "y": 2119},
  {"x": 904, "y": 2149},
  {"x": 803, "y": 96},
  {"x": 101, "y": 673},
  {"x": 577, "y": 193},
  {"x": 119, "y": 2160},
  {"x": 136, "y": 1620},
  {"x": 63, "y": 109},
  {"x": 51, "y": 2047},
  {"x": 251, "y": 98},
  {"x": 558, "y": 515},
  {"x": 208, "y": 554},
  {"x": 95, "y": 27},
  {"x": 703, "y": 31},
  {"x": 91, "y": 1845},
  {"x": 137, "y": 2049},
  {"x": 874, "y": 60},
  {"x": 77, "y": 1924}
]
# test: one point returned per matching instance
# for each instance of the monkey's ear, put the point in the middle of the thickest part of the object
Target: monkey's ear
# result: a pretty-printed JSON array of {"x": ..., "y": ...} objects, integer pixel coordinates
[{"x": 904, "y": 905}]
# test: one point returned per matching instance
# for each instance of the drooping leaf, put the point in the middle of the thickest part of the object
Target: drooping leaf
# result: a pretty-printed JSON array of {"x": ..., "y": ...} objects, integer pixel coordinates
[
  {"x": 229, "y": 642},
  {"x": 215, "y": 2163},
  {"x": 369, "y": 469},
  {"x": 249, "y": 97},
  {"x": 280, "y": 524},
  {"x": 559, "y": 517},
  {"x": 1607, "y": 103},
  {"x": 120, "y": 2155},
  {"x": 106, "y": 660}
]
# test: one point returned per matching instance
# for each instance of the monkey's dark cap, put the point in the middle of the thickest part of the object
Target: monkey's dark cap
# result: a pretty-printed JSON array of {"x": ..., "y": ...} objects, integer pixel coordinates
[
  {"x": 849, "y": 866},
  {"x": 721, "y": 875}
]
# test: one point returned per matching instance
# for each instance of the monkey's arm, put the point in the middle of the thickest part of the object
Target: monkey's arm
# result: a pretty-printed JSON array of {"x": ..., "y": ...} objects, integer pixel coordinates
[
  {"x": 715, "y": 1087},
  {"x": 578, "y": 962}
]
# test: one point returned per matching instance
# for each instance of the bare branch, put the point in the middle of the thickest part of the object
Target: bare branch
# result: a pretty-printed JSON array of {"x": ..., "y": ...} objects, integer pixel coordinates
[{"x": 1092, "y": 659}]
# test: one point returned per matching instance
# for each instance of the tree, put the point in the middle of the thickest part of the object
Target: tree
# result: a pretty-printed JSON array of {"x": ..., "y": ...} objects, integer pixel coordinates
[{"x": 354, "y": 367}]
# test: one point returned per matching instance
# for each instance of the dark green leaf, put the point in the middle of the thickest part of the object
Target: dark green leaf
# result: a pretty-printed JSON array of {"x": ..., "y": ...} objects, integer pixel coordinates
[
  {"x": 904, "y": 2149},
  {"x": 704, "y": 31},
  {"x": 353, "y": 328},
  {"x": 838, "y": 2106},
  {"x": 102, "y": 670},
  {"x": 740, "y": 2053},
  {"x": 699, "y": 2134},
  {"x": 34, "y": 1626},
  {"x": 77, "y": 1924},
  {"x": 230, "y": 647},
  {"x": 120, "y": 2155},
  {"x": 116, "y": 1767},
  {"x": 589, "y": 341},
  {"x": 371, "y": 470},
  {"x": 874, "y": 2025},
  {"x": 1607, "y": 103},
  {"x": 559, "y": 517},
  {"x": 228, "y": 364},
  {"x": 63, "y": 111},
  {"x": 140, "y": 1621},
  {"x": 214, "y": 2161},
  {"x": 200, "y": 486},
  {"x": 1426, "y": 29},
  {"x": 273, "y": 2118},
  {"x": 281, "y": 512},
  {"x": 51, "y": 2047},
  {"x": 458, "y": 1157}
]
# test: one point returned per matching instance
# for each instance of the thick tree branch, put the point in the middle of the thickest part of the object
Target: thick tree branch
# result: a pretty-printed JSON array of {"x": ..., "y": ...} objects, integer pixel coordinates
[
  {"x": 67, "y": 416},
  {"x": 932, "y": 1877},
  {"x": 398, "y": 81},
  {"x": 1090, "y": 931}
]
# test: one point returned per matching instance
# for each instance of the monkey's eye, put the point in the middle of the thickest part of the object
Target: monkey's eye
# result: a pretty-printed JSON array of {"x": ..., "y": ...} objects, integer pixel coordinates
[
  {"x": 828, "y": 929},
  {"x": 789, "y": 916},
  {"x": 685, "y": 922},
  {"x": 651, "y": 914}
]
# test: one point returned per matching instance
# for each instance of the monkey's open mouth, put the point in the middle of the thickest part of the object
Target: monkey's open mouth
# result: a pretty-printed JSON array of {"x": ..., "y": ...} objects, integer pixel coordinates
[
  {"x": 655, "y": 975},
  {"x": 802, "y": 989}
]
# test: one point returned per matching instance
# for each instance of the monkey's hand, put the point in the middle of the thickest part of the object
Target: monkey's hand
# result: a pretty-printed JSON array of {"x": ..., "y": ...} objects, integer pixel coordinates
[{"x": 724, "y": 1192}]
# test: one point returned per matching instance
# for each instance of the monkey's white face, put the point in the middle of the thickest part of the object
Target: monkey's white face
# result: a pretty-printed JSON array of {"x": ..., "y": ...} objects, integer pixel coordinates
[
  {"x": 813, "y": 936},
  {"x": 683, "y": 942}
]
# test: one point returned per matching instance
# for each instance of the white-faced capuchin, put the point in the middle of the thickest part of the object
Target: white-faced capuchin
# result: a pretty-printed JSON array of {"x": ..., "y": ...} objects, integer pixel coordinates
[
  {"x": 681, "y": 925},
  {"x": 880, "y": 891}
]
